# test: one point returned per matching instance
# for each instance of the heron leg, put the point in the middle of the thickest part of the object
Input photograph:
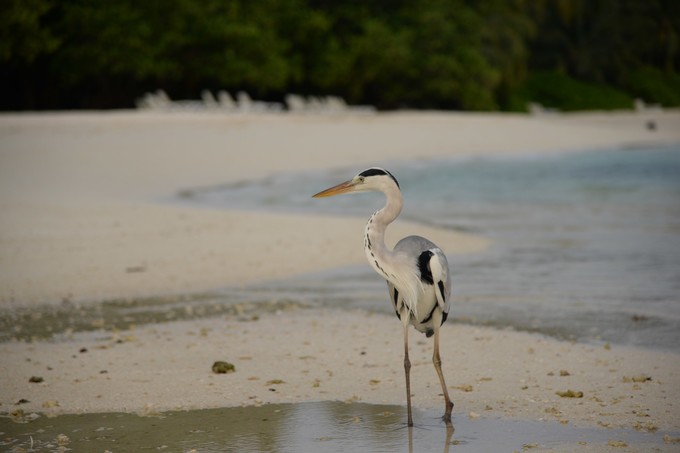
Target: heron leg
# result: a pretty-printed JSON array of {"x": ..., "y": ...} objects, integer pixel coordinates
[
  {"x": 436, "y": 359},
  {"x": 407, "y": 372}
]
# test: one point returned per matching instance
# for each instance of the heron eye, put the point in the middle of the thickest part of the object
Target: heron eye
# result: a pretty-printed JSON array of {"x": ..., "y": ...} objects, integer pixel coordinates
[{"x": 361, "y": 179}]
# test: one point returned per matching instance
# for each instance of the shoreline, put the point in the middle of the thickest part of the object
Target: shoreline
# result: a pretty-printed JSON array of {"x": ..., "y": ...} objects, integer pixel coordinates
[
  {"x": 80, "y": 224},
  {"x": 78, "y": 190}
]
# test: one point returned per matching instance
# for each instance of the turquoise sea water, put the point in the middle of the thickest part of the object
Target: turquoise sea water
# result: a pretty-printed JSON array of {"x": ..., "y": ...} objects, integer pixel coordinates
[{"x": 586, "y": 245}]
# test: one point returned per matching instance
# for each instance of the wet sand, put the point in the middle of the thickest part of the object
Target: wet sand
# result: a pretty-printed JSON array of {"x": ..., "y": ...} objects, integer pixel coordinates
[
  {"x": 81, "y": 224},
  {"x": 296, "y": 355}
]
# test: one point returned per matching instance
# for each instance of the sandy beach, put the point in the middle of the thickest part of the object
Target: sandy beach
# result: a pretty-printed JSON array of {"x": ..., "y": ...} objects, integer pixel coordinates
[
  {"x": 86, "y": 219},
  {"x": 81, "y": 192}
]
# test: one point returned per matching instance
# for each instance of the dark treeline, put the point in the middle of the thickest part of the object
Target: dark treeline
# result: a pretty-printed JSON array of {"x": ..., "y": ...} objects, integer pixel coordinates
[{"x": 446, "y": 54}]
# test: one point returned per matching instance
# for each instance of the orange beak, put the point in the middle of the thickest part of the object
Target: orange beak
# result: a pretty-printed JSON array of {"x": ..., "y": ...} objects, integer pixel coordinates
[{"x": 343, "y": 187}]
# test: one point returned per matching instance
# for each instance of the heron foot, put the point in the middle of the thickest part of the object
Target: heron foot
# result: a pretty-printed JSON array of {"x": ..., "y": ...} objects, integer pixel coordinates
[{"x": 446, "y": 418}]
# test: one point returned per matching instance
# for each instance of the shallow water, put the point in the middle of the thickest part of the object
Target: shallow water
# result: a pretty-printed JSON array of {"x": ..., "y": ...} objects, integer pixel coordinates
[
  {"x": 306, "y": 427},
  {"x": 586, "y": 245}
]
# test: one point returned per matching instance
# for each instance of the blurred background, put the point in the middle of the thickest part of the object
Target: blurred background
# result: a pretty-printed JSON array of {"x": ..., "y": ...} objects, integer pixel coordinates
[{"x": 424, "y": 54}]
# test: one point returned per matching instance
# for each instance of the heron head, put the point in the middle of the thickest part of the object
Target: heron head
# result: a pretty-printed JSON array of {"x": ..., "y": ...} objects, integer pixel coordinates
[{"x": 371, "y": 179}]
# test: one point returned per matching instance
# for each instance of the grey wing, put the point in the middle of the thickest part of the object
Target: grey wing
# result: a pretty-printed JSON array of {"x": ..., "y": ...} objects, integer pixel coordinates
[{"x": 428, "y": 254}]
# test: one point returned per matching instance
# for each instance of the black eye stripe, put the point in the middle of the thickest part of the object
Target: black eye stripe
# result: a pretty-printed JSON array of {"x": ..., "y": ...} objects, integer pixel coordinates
[{"x": 378, "y": 172}]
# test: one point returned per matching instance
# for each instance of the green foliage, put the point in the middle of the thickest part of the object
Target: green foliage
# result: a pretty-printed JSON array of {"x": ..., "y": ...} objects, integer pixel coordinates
[
  {"x": 209, "y": 42},
  {"x": 104, "y": 38},
  {"x": 450, "y": 68},
  {"x": 451, "y": 54},
  {"x": 23, "y": 36},
  {"x": 370, "y": 62},
  {"x": 653, "y": 85},
  {"x": 559, "y": 91}
]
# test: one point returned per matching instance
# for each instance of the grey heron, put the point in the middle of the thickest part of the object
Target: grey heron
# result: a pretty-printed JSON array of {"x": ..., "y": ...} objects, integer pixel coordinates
[{"x": 416, "y": 271}]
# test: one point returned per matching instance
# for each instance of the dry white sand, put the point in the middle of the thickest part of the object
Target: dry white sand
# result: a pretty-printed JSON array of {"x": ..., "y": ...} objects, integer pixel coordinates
[
  {"x": 80, "y": 222},
  {"x": 107, "y": 249}
]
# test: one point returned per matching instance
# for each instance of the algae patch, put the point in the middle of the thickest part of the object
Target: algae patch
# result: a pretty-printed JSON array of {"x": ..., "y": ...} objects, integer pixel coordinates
[
  {"x": 222, "y": 367},
  {"x": 570, "y": 394}
]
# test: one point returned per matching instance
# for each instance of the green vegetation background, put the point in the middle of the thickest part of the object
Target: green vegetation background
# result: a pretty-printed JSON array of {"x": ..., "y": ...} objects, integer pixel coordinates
[{"x": 443, "y": 54}]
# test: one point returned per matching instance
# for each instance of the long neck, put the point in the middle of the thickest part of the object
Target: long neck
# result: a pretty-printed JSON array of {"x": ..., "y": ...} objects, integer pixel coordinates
[{"x": 377, "y": 252}]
